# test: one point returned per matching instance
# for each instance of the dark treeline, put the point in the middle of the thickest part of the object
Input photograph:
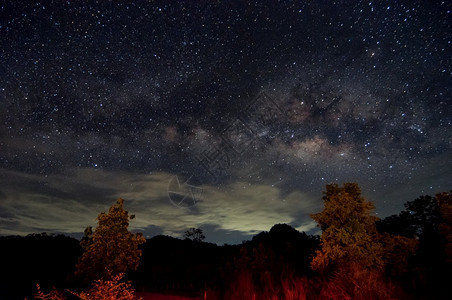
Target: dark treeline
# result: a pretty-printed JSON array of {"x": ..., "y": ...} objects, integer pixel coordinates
[
  {"x": 271, "y": 263},
  {"x": 48, "y": 260},
  {"x": 167, "y": 264},
  {"x": 170, "y": 264},
  {"x": 427, "y": 219}
]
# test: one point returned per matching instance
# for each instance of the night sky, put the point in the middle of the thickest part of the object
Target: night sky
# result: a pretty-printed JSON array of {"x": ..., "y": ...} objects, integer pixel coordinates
[{"x": 230, "y": 116}]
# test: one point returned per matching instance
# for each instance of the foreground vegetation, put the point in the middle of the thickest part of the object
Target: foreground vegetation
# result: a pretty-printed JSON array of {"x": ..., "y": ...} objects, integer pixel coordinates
[{"x": 358, "y": 256}]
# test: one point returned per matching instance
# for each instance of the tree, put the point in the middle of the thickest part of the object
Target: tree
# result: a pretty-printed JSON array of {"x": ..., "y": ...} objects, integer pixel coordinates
[
  {"x": 445, "y": 208},
  {"x": 194, "y": 234},
  {"x": 348, "y": 230},
  {"x": 428, "y": 220},
  {"x": 353, "y": 253},
  {"x": 420, "y": 218},
  {"x": 111, "y": 249}
]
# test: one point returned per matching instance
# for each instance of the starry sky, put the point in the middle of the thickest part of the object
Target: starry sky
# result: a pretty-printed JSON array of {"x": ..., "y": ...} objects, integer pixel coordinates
[{"x": 230, "y": 116}]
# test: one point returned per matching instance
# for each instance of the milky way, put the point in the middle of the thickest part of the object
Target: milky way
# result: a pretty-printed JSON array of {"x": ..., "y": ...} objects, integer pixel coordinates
[{"x": 229, "y": 116}]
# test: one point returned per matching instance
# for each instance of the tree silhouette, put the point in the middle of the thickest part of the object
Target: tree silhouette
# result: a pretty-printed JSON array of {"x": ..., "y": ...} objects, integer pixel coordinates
[
  {"x": 348, "y": 230},
  {"x": 111, "y": 249},
  {"x": 427, "y": 219},
  {"x": 420, "y": 218},
  {"x": 194, "y": 234}
]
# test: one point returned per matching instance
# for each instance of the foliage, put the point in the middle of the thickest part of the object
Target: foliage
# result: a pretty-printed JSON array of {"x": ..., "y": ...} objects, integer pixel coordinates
[
  {"x": 420, "y": 217},
  {"x": 54, "y": 294},
  {"x": 290, "y": 246},
  {"x": 397, "y": 250},
  {"x": 354, "y": 254},
  {"x": 445, "y": 227},
  {"x": 194, "y": 234},
  {"x": 259, "y": 273},
  {"x": 101, "y": 290},
  {"x": 109, "y": 289},
  {"x": 349, "y": 232},
  {"x": 424, "y": 214},
  {"x": 111, "y": 249},
  {"x": 287, "y": 287},
  {"x": 352, "y": 281},
  {"x": 243, "y": 287},
  {"x": 295, "y": 288},
  {"x": 428, "y": 220},
  {"x": 47, "y": 259}
]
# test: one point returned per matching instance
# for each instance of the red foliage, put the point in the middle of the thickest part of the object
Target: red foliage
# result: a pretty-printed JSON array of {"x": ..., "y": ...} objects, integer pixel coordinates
[{"x": 355, "y": 282}]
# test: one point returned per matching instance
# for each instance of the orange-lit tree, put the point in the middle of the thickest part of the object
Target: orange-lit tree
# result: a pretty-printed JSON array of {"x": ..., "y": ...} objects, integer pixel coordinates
[
  {"x": 109, "y": 289},
  {"x": 348, "y": 230},
  {"x": 111, "y": 249},
  {"x": 353, "y": 253}
]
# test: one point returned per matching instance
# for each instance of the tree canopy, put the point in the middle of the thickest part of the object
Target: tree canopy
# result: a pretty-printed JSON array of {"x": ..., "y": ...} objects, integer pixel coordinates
[
  {"x": 111, "y": 249},
  {"x": 420, "y": 217},
  {"x": 349, "y": 232},
  {"x": 194, "y": 234}
]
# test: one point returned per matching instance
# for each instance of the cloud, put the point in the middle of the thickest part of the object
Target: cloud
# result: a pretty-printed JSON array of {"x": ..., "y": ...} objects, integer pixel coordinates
[
  {"x": 251, "y": 208},
  {"x": 240, "y": 209},
  {"x": 309, "y": 227},
  {"x": 68, "y": 204}
]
